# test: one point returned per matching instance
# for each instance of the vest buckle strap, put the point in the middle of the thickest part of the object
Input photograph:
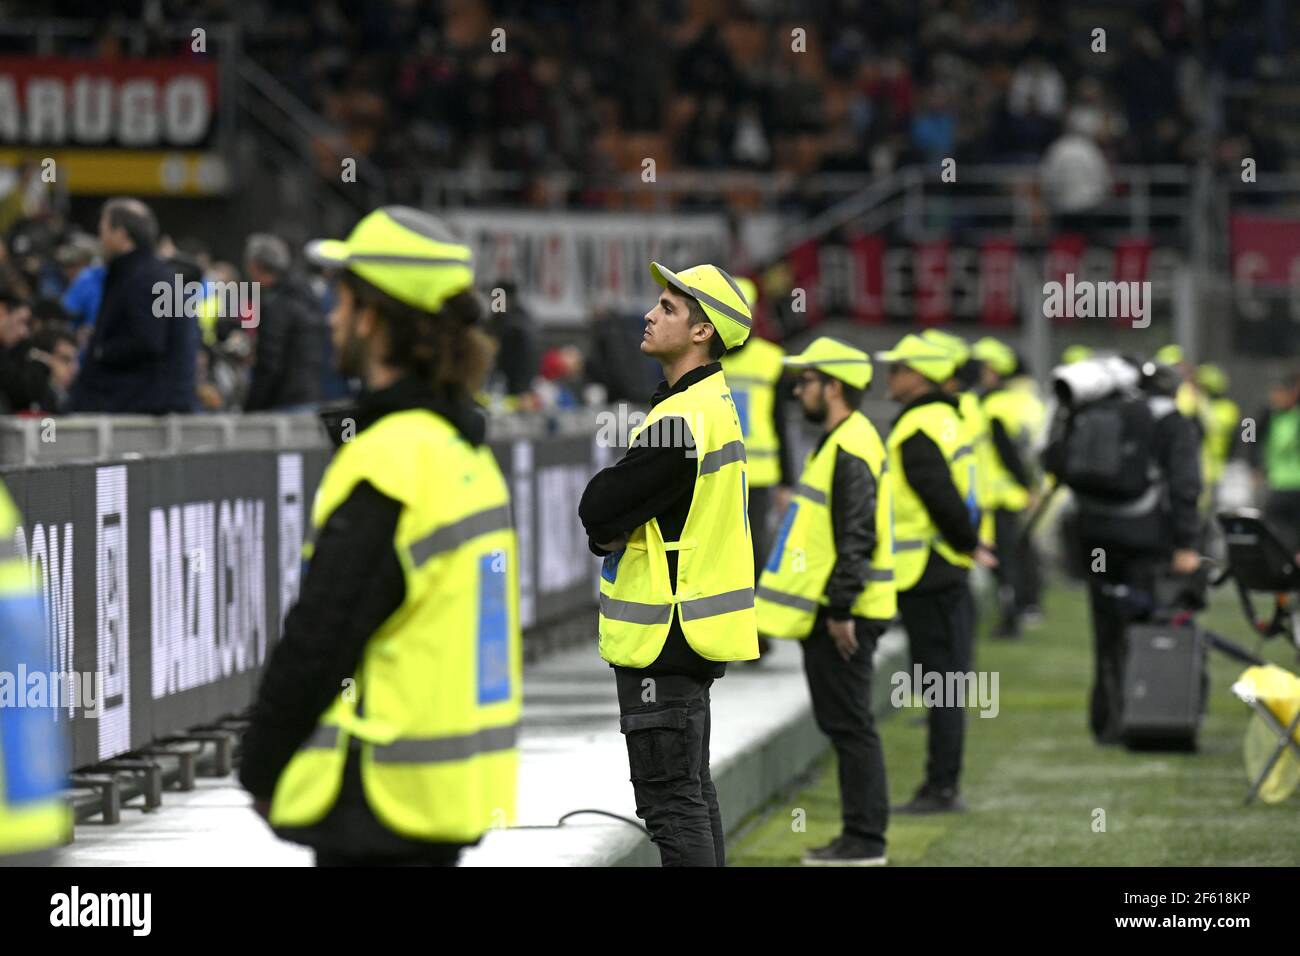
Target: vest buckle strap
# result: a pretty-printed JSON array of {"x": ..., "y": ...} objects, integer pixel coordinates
[
  {"x": 634, "y": 612},
  {"x": 788, "y": 600},
  {"x": 811, "y": 493},
  {"x": 447, "y": 749},
  {"x": 453, "y": 535},
  {"x": 729, "y": 453},
  {"x": 725, "y": 603}
]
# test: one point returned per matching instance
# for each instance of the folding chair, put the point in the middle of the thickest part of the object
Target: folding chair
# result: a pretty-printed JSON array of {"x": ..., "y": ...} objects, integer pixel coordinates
[{"x": 1272, "y": 744}]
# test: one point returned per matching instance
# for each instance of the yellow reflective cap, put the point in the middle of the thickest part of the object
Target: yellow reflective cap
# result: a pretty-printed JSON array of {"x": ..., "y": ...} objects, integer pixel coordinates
[
  {"x": 1169, "y": 355},
  {"x": 930, "y": 360},
  {"x": 717, "y": 293},
  {"x": 1075, "y": 353},
  {"x": 996, "y": 355},
  {"x": 410, "y": 255},
  {"x": 1212, "y": 378},
  {"x": 955, "y": 345},
  {"x": 749, "y": 290},
  {"x": 836, "y": 359}
]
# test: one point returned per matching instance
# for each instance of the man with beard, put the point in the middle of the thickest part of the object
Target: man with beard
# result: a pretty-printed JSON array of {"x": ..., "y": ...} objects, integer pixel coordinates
[
  {"x": 829, "y": 583},
  {"x": 671, "y": 519}
]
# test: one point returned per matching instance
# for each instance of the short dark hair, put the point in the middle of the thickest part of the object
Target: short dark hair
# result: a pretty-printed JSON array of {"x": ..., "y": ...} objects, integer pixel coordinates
[
  {"x": 694, "y": 316},
  {"x": 852, "y": 396},
  {"x": 11, "y": 299},
  {"x": 48, "y": 338},
  {"x": 135, "y": 217}
]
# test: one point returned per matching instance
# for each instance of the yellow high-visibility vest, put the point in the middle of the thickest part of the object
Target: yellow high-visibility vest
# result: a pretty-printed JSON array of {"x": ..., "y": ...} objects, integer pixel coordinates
[
  {"x": 1225, "y": 418},
  {"x": 33, "y": 758},
  {"x": 436, "y": 704},
  {"x": 915, "y": 533},
  {"x": 975, "y": 436},
  {"x": 753, "y": 373},
  {"x": 714, "y": 599},
  {"x": 1017, "y": 411},
  {"x": 803, "y": 556}
]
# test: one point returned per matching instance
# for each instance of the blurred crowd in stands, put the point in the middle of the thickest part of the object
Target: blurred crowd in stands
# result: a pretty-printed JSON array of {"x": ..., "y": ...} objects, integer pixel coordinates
[
  {"x": 132, "y": 321},
  {"x": 546, "y": 101}
]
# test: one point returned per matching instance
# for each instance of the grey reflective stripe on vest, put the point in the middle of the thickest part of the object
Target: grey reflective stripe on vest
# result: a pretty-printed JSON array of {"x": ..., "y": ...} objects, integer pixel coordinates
[
  {"x": 409, "y": 260},
  {"x": 426, "y": 749},
  {"x": 729, "y": 311},
  {"x": 734, "y": 288},
  {"x": 734, "y": 379},
  {"x": 732, "y": 451},
  {"x": 908, "y": 545},
  {"x": 961, "y": 452},
  {"x": 458, "y": 532},
  {"x": 740, "y": 600},
  {"x": 811, "y": 493},
  {"x": 447, "y": 749},
  {"x": 8, "y": 550},
  {"x": 758, "y": 453},
  {"x": 880, "y": 574},
  {"x": 322, "y": 738},
  {"x": 634, "y": 612},
  {"x": 789, "y": 600}
]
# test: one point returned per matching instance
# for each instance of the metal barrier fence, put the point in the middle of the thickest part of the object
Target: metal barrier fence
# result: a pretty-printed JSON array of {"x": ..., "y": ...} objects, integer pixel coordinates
[{"x": 167, "y": 553}]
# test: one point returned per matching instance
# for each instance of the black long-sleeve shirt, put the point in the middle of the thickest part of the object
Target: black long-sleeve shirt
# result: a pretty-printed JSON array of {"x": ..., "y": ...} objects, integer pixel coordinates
[
  {"x": 1006, "y": 448},
  {"x": 354, "y": 583},
  {"x": 930, "y": 476},
  {"x": 853, "y": 527},
  {"x": 655, "y": 479}
]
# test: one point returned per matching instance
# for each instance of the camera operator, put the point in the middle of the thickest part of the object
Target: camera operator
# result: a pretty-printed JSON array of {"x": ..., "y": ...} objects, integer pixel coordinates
[{"x": 1133, "y": 463}]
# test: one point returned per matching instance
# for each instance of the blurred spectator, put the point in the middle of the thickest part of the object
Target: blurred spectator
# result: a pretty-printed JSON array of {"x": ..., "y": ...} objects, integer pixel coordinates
[
  {"x": 18, "y": 393},
  {"x": 518, "y": 353},
  {"x": 561, "y": 377},
  {"x": 291, "y": 331},
  {"x": 85, "y": 277},
  {"x": 1076, "y": 180},
  {"x": 617, "y": 362},
  {"x": 142, "y": 353},
  {"x": 53, "y": 363}
]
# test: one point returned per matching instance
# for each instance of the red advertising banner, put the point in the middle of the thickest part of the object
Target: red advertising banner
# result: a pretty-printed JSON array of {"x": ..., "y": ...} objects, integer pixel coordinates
[
  {"x": 998, "y": 282},
  {"x": 869, "y": 261},
  {"x": 137, "y": 104},
  {"x": 930, "y": 280}
]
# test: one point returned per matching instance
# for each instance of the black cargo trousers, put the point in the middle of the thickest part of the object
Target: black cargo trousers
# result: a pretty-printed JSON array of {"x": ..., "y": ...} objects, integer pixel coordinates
[{"x": 665, "y": 721}]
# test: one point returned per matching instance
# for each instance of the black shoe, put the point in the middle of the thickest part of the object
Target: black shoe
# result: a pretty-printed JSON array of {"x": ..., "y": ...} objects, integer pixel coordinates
[
  {"x": 933, "y": 801},
  {"x": 845, "y": 851}
]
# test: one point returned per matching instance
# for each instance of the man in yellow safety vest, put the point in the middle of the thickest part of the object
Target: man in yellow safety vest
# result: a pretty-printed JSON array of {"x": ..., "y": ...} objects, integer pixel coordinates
[
  {"x": 385, "y": 727},
  {"x": 935, "y": 545},
  {"x": 677, "y": 586},
  {"x": 754, "y": 371},
  {"x": 34, "y": 819},
  {"x": 829, "y": 584}
]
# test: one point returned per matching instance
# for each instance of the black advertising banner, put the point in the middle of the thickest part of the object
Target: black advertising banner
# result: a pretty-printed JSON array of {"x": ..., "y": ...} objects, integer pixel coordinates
[{"x": 165, "y": 580}]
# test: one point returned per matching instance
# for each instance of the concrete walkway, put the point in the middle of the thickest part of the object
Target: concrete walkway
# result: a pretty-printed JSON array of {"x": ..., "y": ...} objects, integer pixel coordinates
[{"x": 572, "y": 757}]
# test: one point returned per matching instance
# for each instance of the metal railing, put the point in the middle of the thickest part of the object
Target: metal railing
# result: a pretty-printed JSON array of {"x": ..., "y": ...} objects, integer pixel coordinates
[{"x": 32, "y": 441}]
